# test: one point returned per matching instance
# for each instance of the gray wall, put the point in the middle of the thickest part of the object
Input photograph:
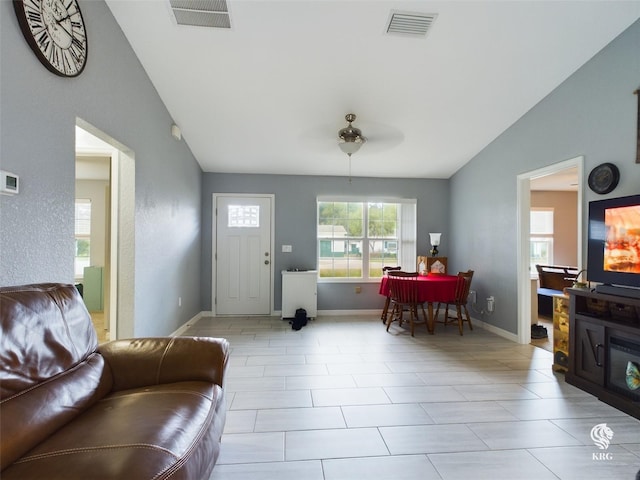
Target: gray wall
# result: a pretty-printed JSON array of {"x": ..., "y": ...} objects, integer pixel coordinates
[
  {"x": 37, "y": 140},
  {"x": 593, "y": 113},
  {"x": 295, "y": 224}
]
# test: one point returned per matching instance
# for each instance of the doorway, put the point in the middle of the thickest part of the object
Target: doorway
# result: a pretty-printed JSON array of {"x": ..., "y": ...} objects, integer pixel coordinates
[
  {"x": 563, "y": 176},
  {"x": 242, "y": 254},
  {"x": 92, "y": 232},
  {"x": 105, "y": 179}
]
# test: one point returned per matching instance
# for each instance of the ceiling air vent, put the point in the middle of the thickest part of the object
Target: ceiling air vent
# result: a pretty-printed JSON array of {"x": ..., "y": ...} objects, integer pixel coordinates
[
  {"x": 201, "y": 13},
  {"x": 412, "y": 24}
]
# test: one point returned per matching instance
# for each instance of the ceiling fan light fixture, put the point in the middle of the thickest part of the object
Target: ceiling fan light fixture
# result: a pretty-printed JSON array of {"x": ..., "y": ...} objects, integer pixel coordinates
[
  {"x": 350, "y": 138},
  {"x": 350, "y": 147}
]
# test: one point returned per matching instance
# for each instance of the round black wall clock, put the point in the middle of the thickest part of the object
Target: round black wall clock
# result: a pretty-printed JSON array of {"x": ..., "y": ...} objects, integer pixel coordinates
[
  {"x": 604, "y": 178},
  {"x": 56, "y": 32}
]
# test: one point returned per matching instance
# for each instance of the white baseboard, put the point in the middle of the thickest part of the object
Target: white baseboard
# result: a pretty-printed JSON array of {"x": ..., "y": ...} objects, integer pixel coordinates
[
  {"x": 493, "y": 329},
  {"x": 342, "y": 313},
  {"x": 339, "y": 313},
  {"x": 189, "y": 323}
]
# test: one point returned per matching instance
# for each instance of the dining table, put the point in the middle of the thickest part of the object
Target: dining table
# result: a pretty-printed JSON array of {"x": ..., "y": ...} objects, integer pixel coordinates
[{"x": 432, "y": 288}]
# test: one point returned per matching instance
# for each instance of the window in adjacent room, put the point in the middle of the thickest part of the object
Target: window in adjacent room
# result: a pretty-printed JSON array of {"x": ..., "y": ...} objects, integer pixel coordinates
[
  {"x": 82, "y": 236},
  {"x": 541, "y": 242},
  {"x": 356, "y": 238}
]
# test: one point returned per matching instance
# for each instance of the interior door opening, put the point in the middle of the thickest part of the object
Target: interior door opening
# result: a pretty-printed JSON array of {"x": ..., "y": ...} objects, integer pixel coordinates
[
  {"x": 105, "y": 250},
  {"x": 543, "y": 188}
]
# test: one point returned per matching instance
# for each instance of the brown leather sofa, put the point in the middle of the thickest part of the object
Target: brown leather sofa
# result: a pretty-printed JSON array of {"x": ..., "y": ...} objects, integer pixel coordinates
[{"x": 144, "y": 408}]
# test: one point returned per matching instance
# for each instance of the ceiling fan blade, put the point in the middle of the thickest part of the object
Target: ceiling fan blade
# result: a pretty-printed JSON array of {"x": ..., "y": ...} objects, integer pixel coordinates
[
  {"x": 380, "y": 137},
  {"x": 324, "y": 138}
]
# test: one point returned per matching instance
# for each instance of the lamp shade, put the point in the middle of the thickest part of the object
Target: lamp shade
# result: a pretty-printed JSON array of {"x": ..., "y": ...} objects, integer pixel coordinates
[
  {"x": 349, "y": 147},
  {"x": 435, "y": 238}
]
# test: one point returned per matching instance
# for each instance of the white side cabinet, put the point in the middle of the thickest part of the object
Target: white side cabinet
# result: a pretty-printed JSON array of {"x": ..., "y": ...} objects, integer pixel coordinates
[{"x": 299, "y": 290}]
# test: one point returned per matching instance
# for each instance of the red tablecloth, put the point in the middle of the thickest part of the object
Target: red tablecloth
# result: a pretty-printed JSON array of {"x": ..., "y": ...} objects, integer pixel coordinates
[{"x": 433, "y": 288}]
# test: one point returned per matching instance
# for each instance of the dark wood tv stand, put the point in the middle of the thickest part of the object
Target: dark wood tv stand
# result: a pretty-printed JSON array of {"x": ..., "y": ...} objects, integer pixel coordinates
[{"x": 604, "y": 334}]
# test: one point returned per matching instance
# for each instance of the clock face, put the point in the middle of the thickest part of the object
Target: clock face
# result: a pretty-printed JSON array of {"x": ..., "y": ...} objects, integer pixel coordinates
[
  {"x": 56, "y": 32},
  {"x": 604, "y": 178}
]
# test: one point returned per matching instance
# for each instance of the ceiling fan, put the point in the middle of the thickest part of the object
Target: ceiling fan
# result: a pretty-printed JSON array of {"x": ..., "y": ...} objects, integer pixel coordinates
[
  {"x": 378, "y": 137},
  {"x": 322, "y": 138},
  {"x": 350, "y": 138}
]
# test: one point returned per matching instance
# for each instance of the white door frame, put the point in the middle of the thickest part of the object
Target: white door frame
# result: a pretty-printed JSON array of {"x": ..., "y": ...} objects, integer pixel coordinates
[
  {"x": 523, "y": 227},
  {"x": 214, "y": 241},
  {"x": 121, "y": 284}
]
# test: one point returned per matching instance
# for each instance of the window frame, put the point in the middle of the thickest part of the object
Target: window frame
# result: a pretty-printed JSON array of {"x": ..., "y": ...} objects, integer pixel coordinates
[
  {"x": 546, "y": 237},
  {"x": 86, "y": 235},
  {"x": 406, "y": 235}
]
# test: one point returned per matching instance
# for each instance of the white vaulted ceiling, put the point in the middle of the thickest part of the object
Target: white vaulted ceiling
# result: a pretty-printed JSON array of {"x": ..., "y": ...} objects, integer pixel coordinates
[{"x": 269, "y": 94}]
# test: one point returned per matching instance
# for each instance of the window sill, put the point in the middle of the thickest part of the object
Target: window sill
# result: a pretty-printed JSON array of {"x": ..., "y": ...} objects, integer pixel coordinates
[{"x": 348, "y": 280}]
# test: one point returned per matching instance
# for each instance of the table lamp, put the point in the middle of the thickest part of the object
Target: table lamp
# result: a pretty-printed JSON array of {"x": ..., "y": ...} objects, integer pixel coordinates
[{"x": 435, "y": 241}]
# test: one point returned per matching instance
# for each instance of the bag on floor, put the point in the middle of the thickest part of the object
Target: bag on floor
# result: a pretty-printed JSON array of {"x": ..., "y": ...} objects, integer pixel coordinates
[{"x": 300, "y": 320}]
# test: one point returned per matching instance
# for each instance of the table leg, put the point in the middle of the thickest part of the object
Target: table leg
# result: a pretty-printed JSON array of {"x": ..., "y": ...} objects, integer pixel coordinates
[{"x": 430, "y": 321}]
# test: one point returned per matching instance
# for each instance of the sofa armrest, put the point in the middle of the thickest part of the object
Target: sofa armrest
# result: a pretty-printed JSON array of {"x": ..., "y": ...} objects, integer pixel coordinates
[{"x": 139, "y": 362}]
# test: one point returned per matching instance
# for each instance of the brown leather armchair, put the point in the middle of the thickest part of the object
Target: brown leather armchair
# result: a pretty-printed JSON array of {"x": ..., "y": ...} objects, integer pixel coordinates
[{"x": 141, "y": 408}]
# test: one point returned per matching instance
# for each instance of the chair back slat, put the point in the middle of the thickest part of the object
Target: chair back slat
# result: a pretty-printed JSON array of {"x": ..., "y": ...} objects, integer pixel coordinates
[
  {"x": 404, "y": 293},
  {"x": 404, "y": 288}
]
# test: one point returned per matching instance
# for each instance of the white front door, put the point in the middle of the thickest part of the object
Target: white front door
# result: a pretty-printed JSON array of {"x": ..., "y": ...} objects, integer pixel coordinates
[{"x": 242, "y": 256}]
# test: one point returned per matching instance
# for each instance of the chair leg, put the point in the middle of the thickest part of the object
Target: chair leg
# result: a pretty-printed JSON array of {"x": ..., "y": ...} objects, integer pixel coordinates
[
  {"x": 466, "y": 311},
  {"x": 413, "y": 315},
  {"x": 397, "y": 310},
  {"x": 389, "y": 317},
  {"x": 385, "y": 309},
  {"x": 425, "y": 316},
  {"x": 400, "y": 316}
]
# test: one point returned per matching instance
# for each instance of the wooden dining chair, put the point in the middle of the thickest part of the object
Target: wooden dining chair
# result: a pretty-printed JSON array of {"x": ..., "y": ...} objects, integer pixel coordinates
[
  {"x": 385, "y": 309},
  {"x": 404, "y": 293},
  {"x": 463, "y": 286}
]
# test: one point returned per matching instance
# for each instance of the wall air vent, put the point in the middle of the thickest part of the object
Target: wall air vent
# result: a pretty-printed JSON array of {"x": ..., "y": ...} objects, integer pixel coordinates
[
  {"x": 411, "y": 24},
  {"x": 201, "y": 13}
]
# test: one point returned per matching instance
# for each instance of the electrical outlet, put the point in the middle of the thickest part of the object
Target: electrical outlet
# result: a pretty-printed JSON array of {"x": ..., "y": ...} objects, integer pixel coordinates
[
  {"x": 491, "y": 303},
  {"x": 358, "y": 289},
  {"x": 179, "y": 301},
  {"x": 472, "y": 297}
]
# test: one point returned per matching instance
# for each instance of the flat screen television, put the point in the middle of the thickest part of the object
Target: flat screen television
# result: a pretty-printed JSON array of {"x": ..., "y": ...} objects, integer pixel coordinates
[{"x": 614, "y": 244}]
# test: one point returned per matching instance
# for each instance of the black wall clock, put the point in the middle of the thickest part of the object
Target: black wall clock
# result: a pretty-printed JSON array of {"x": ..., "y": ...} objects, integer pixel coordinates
[
  {"x": 604, "y": 178},
  {"x": 56, "y": 32}
]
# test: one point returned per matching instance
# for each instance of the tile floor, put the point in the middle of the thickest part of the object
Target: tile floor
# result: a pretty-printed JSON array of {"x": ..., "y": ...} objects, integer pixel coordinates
[
  {"x": 342, "y": 399},
  {"x": 546, "y": 343}
]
